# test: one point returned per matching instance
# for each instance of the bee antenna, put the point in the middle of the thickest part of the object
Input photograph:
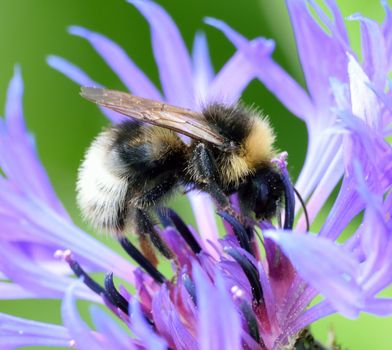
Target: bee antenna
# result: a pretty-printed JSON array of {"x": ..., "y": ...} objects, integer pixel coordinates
[{"x": 303, "y": 207}]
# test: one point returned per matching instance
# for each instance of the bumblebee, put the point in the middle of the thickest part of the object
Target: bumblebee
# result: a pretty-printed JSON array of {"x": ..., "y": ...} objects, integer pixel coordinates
[{"x": 130, "y": 169}]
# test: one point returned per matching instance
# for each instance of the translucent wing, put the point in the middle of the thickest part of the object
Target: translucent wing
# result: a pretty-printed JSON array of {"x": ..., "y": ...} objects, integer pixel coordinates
[{"x": 182, "y": 120}]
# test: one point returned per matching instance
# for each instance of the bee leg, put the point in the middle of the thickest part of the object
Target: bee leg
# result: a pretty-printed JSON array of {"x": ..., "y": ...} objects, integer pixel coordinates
[
  {"x": 208, "y": 175},
  {"x": 144, "y": 223},
  {"x": 145, "y": 228}
]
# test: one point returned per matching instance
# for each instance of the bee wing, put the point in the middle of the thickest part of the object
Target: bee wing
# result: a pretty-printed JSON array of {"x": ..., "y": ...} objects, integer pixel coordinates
[{"x": 182, "y": 120}]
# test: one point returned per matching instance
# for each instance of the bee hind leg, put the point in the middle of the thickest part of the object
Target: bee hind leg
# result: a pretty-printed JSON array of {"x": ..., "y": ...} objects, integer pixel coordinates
[{"x": 143, "y": 222}]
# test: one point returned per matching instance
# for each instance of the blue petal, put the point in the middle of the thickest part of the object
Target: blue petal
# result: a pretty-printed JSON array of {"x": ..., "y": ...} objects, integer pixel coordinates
[
  {"x": 18, "y": 155},
  {"x": 387, "y": 32},
  {"x": 326, "y": 267},
  {"x": 133, "y": 78},
  {"x": 365, "y": 104},
  {"x": 253, "y": 60},
  {"x": 219, "y": 325},
  {"x": 203, "y": 71},
  {"x": 9, "y": 291},
  {"x": 170, "y": 323},
  {"x": 381, "y": 307},
  {"x": 171, "y": 55},
  {"x": 45, "y": 224},
  {"x": 17, "y": 332},
  {"x": 80, "y": 77},
  {"x": 84, "y": 337},
  {"x": 311, "y": 40},
  {"x": 143, "y": 331},
  {"x": 373, "y": 50},
  {"x": 35, "y": 279},
  {"x": 119, "y": 339}
]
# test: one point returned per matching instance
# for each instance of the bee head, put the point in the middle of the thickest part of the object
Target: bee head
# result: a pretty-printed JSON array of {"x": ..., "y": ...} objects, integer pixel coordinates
[{"x": 264, "y": 193}]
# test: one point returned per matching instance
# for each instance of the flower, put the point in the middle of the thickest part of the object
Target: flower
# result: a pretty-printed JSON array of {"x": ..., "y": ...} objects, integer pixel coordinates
[{"x": 224, "y": 293}]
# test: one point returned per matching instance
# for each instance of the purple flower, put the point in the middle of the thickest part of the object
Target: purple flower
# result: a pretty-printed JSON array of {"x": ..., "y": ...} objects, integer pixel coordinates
[{"x": 224, "y": 294}]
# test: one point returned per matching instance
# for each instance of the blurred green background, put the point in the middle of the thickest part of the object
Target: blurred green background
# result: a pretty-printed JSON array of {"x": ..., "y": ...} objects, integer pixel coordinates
[{"x": 64, "y": 124}]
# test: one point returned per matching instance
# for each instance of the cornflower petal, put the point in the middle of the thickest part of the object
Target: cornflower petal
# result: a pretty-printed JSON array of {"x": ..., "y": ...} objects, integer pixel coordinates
[
  {"x": 336, "y": 26},
  {"x": 56, "y": 230},
  {"x": 17, "y": 332},
  {"x": 36, "y": 280},
  {"x": 217, "y": 312},
  {"x": 203, "y": 72},
  {"x": 311, "y": 40},
  {"x": 381, "y": 307},
  {"x": 171, "y": 55},
  {"x": 82, "y": 335},
  {"x": 203, "y": 211},
  {"x": 387, "y": 32},
  {"x": 104, "y": 324},
  {"x": 116, "y": 58},
  {"x": 80, "y": 77},
  {"x": 142, "y": 330},
  {"x": 169, "y": 323},
  {"x": 261, "y": 65},
  {"x": 365, "y": 104},
  {"x": 325, "y": 266},
  {"x": 16, "y": 143},
  {"x": 9, "y": 291},
  {"x": 373, "y": 50}
]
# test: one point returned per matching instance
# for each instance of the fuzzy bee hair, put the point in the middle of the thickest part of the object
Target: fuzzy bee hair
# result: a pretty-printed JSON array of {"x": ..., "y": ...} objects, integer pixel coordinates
[{"x": 132, "y": 168}]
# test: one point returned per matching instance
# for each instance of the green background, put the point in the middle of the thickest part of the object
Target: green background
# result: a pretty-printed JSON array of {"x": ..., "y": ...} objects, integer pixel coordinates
[{"x": 64, "y": 124}]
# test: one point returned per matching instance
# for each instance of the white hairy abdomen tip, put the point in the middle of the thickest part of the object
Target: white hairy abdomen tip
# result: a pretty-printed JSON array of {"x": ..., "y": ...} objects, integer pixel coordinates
[{"x": 101, "y": 188}]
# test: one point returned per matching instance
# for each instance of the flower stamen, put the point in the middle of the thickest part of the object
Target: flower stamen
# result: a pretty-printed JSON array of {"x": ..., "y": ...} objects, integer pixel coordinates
[
  {"x": 251, "y": 321},
  {"x": 134, "y": 253},
  {"x": 251, "y": 273},
  {"x": 190, "y": 287},
  {"x": 181, "y": 227},
  {"x": 114, "y": 296},
  {"x": 239, "y": 230}
]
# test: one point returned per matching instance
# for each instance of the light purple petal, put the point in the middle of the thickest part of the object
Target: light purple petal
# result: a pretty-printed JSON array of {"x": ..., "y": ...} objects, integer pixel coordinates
[
  {"x": 231, "y": 80},
  {"x": 203, "y": 71},
  {"x": 142, "y": 330},
  {"x": 335, "y": 25},
  {"x": 325, "y": 266},
  {"x": 81, "y": 78},
  {"x": 314, "y": 313},
  {"x": 365, "y": 104},
  {"x": 203, "y": 210},
  {"x": 387, "y": 32},
  {"x": 9, "y": 291},
  {"x": 78, "y": 329},
  {"x": 17, "y": 332},
  {"x": 178, "y": 245},
  {"x": 18, "y": 155},
  {"x": 71, "y": 71},
  {"x": 55, "y": 229},
  {"x": 311, "y": 41},
  {"x": 253, "y": 60},
  {"x": 379, "y": 306},
  {"x": 131, "y": 75},
  {"x": 171, "y": 55},
  {"x": 34, "y": 278},
  {"x": 323, "y": 190},
  {"x": 104, "y": 324},
  {"x": 170, "y": 323},
  {"x": 216, "y": 312},
  {"x": 373, "y": 50}
]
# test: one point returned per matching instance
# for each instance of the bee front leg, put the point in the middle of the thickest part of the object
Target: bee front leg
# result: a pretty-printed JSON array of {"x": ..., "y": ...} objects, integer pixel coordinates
[{"x": 207, "y": 175}]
